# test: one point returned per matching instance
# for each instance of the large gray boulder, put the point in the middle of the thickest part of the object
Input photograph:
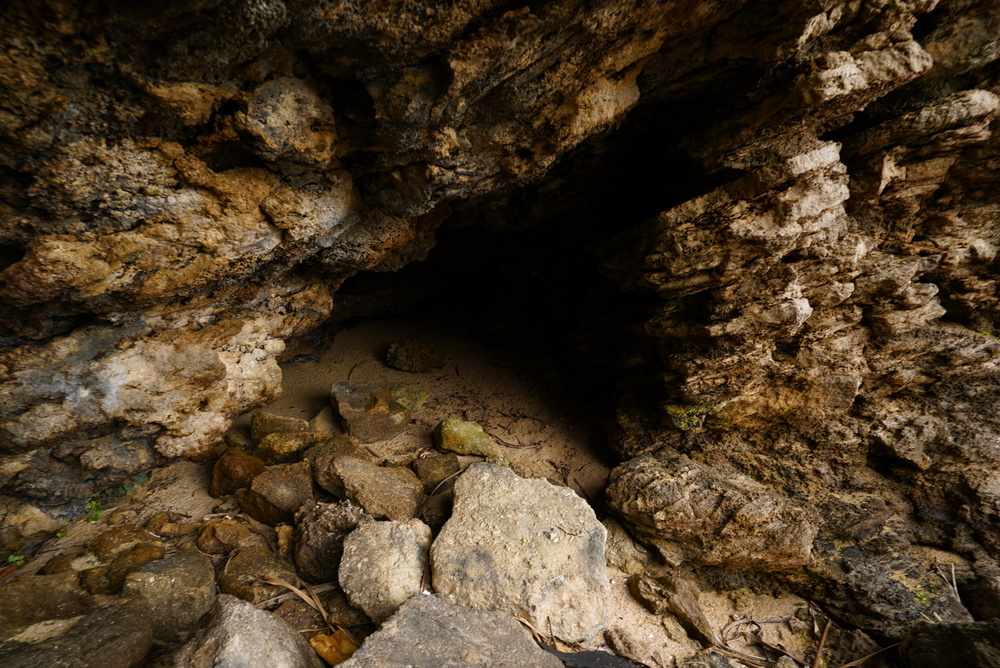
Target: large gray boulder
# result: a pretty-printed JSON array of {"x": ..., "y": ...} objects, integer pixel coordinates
[
  {"x": 431, "y": 632},
  {"x": 238, "y": 635},
  {"x": 383, "y": 565},
  {"x": 526, "y": 547}
]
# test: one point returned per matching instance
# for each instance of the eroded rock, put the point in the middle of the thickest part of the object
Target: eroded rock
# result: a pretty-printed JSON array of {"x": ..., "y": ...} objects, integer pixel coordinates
[
  {"x": 383, "y": 565},
  {"x": 180, "y": 589},
  {"x": 525, "y": 547},
  {"x": 320, "y": 530},
  {"x": 431, "y": 631},
  {"x": 369, "y": 412},
  {"x": 238, "y": 634},
  {"x": 692, "y": 512}
]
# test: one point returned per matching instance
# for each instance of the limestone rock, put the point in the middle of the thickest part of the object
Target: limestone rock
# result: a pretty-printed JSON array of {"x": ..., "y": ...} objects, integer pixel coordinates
[
  {"x": 322, "y": 458},
  {"x": 263, "y": 424},
  {"x": 414, "y": 355},
  {"x": 433, "y": 471},
  {"x": 325, "y": 422},
  {"x": 288, "y": 446},
  {"x": 221, "y": 537},
  {"x": 694, "y": 512},
  {"x": 668, "y": 594},
  {"x": 464, "y": 437},
  {"x": 247, "y": 567},
  {"x": 430, "y": 631},
  {"x": 238, "y": 634},
  {"x": 385, "y": 492},
  {"x": 234, "y": 470},
  {"x": 119, "y": 633},
  {"x": 320, "y": 529},
  {"x": 383, "y": 565},
  {"x": 180, "y": 589},
  {"x": 524, "y": 547},
  {"x": 369, "y": 412},
  {"x": 277, "y": 493}
]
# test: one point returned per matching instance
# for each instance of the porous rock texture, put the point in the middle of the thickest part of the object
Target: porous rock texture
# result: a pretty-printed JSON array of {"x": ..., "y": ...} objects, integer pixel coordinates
[{"x": 799, "y": 200}]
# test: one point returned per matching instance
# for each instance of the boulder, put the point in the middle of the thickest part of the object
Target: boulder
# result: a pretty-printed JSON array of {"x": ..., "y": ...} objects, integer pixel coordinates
[
  {"x": 383, "y": 565},
  {"x": 180, "y": 589},
  {"x": 694, "y": 512},
  {"x": 119, "y": 633},
  {"x": 525, "y": 547},
  {"x": 432, "y": 632},
  {"x": 238, "y": 634}
]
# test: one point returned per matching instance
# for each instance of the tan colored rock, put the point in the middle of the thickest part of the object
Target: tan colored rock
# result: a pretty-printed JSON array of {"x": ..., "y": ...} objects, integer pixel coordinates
[
  {"x": 234, "y": 470},
  {"x": 696, "y": 514},
  {"x": 277, "y": 493},
  {"x": 385, "y": 492}
]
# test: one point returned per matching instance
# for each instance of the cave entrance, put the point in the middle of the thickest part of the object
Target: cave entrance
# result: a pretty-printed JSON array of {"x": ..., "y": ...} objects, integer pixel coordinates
[{"x": 517, "y": 320}]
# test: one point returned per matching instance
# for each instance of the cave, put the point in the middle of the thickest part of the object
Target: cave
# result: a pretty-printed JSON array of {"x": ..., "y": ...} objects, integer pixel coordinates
[{"x": 703, "y": 293}]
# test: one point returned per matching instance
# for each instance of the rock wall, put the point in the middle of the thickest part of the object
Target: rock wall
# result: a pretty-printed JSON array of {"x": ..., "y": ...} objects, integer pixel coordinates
[{"x": 810, "y": 258}]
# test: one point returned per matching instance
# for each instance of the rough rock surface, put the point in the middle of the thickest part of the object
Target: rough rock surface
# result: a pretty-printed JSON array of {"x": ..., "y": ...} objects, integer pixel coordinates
[
  {"x": 119, "y": 633},
  {"x": 180, "y": 589},
  {"x": 238, "y": 634},
  {"x": 772, "y": 226},
  {"x": 697, "y": 514},
  {"x": 320, "y": 530},
  {"x": 277, "y": 493},
  {"x": 430, "y": 631},
  {"x": 525, "y": 547},
  {"x": 369, "y": 412},
  {"x": 385, "y": 492},
  {"x": 383, "y": 565}
]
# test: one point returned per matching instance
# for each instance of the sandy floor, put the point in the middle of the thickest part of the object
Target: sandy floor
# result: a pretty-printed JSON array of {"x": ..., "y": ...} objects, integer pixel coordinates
[{"x": 509, "y": 395}]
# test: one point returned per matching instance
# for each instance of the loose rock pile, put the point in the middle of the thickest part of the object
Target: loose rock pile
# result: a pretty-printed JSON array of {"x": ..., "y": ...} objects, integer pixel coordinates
[{"x": 313, "y": 511}]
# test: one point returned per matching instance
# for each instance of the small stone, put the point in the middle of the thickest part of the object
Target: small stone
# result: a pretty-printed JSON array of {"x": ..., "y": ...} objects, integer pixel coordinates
[
  {"x": 237, "y": 440},
  {"x": 385, "y": 492},
  {"x": 436, "y": 510},
  {"x": 285, "y": 534},
  {"x": 119, "y": 633},
  {"x": 277, "y": 493},
  {"x": 171, "y": 524},
  {"x": 414, "y": 355},
  {"x": 335, "y": 648},
  {"x": 383, "y": 565},
  {"x": 223, "y": 536},
  {"x": 410, "y": 395},
  {"x": 288, "y": 446},
  {"x": 368, "y": 411},
  {"x": 325, "y": 422},
  {"x": 624, "y": 552},
  {"x": 322, "y": 457},
  {"x": 234, "y": 470},
  {"x": 238, "y": 634},
  {"x": 320, "y": 529},
  {"x": 464, "y": 437},
  {"x": 431, "y": 631},
  {"x": 557, "y": 575},
  {"x": 35, "y": 598},
  {"x": 180, "y": 588},
  {"x": 263, "y": 423},
  {"x": 435, "y": 470},
  {"x": 114, "y": 541},
  {"x": 241, "y": 575}
]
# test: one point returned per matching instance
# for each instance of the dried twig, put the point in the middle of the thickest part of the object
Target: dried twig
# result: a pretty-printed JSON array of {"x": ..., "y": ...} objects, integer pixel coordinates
[
  {"x": 822, "y": 642},
  {"x": 858, "y": 662}
]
